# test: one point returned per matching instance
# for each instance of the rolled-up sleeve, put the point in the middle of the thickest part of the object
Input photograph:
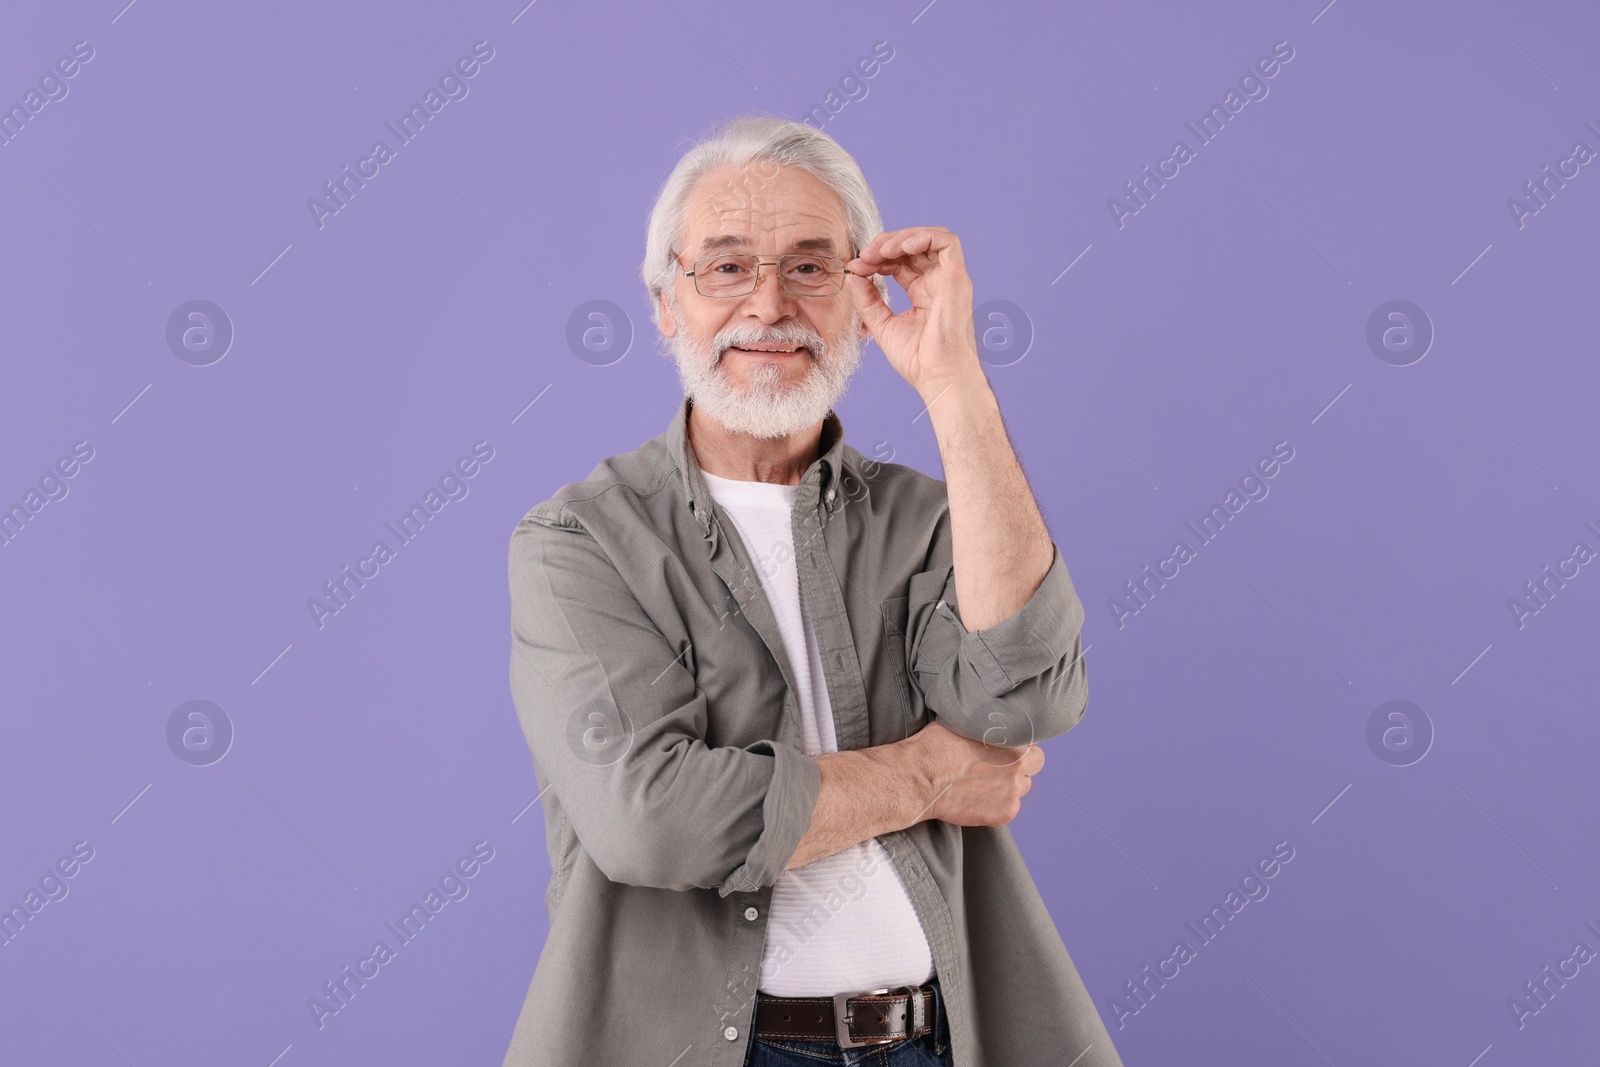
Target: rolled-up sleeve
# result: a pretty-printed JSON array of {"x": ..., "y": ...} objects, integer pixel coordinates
[
  {"x": 1020, "y": 681},
  {"x": 616, "y": 726}
]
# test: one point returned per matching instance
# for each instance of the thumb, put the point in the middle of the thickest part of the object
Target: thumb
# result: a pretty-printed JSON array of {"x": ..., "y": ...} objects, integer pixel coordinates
[{"x": 868, "y": 302}]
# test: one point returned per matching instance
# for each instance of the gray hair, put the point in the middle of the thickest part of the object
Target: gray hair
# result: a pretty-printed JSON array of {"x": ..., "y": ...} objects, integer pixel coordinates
[{"x": 740, "y": 142}]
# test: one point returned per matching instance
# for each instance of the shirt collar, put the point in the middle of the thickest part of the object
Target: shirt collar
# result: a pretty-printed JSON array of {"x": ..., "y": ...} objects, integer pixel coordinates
[{"x": 817, "y": 484}]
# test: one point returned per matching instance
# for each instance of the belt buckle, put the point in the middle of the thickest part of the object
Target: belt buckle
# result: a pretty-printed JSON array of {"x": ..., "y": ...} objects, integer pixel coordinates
[{"x": 841, "y": 1025}]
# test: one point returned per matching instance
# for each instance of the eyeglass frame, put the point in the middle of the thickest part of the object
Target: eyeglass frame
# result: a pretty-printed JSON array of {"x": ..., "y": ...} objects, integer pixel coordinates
[{"x": 765, "y": 263}]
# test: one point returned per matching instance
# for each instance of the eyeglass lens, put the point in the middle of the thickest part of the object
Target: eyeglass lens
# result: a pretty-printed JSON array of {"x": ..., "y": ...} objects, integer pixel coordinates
[{"x": 801, "y": 275}]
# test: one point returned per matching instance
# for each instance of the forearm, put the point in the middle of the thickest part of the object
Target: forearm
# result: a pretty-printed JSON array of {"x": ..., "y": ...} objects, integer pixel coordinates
[
  {"x": 865, "y": 792},
  {"x": 1000, "y": 547}
]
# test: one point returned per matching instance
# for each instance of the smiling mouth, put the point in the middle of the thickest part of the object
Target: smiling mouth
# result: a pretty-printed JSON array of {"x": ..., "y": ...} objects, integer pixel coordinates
[{"x": 771, "y": 351}]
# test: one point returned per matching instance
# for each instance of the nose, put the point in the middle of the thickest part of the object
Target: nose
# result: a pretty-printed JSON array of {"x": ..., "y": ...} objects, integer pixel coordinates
[{"x": 770, "y": 302}]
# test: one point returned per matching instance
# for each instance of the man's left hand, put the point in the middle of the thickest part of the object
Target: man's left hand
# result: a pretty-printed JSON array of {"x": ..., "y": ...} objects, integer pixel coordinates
[{"x": 934, "y": 343}]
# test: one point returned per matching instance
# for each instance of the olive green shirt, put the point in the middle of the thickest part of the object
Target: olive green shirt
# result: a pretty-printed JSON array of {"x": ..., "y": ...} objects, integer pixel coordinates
[{"x": 652, "y": 684}]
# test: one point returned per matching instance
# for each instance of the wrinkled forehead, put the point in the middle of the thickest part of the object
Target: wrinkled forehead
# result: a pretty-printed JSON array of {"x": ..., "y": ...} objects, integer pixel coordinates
[{"x": 764, "y": 208}]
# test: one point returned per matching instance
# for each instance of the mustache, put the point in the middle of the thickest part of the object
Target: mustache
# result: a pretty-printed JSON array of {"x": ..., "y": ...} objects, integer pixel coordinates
[
  {"x": 792, "y": 332},
  {"x": 814, "y": 344}
]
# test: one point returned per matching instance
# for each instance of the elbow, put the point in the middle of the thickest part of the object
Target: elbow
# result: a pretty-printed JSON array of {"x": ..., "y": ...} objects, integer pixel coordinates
[
  {"x": 1059, "y": 696},
  {"x": 731, "y": 825},
  {"x": 1044, "y": 706},
  {"x": 624, "y": 865},
  {"x": 654, "y": 861},
  {"x": 1067, "y": 698},
  {"x": 669, "y": 848}
]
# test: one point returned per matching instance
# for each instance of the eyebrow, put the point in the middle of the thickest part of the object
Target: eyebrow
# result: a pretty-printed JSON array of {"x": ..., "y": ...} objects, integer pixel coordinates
[{"x": 724, "y": 241}]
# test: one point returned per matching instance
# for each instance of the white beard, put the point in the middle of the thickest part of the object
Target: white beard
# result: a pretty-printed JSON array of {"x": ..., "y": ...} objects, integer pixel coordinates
[{"x": 769, "y": 409}]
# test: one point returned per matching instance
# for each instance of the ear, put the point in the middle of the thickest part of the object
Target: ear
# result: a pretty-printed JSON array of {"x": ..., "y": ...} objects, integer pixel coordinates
[{"x": 669, "y": 325}]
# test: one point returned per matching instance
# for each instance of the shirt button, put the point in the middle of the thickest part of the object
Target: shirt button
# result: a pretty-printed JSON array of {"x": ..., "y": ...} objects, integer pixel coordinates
[
  {"x": 751, "y": 913},
  {"x": 731, "y": 1033},
  {"x": 830, "y": 496}
]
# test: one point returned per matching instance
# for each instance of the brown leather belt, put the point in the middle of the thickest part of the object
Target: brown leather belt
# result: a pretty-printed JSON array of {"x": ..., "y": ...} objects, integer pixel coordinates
[{"x": 852, "y": 1019}]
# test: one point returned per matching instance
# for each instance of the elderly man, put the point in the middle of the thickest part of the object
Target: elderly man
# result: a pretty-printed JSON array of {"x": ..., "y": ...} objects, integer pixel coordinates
[{"x": 782, "y": 699}]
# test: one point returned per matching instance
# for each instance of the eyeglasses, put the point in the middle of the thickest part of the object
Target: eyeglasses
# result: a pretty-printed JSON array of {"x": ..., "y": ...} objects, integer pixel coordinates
[{"x": 738, "y": 274}]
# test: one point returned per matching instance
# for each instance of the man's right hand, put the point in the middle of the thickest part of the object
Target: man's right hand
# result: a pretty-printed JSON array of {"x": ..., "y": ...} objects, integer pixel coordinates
[
  {"x": 972, "y": 784},
  {"x": 934, "y": 774}
]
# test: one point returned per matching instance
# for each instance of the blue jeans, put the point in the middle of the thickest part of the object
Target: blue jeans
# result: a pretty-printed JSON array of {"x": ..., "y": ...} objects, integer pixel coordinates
[{"x": 930, "y": 1050}]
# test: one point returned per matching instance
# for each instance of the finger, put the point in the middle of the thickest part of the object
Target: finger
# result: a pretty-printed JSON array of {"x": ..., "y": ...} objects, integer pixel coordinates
[
  {"x": 932, "y": 244},
  {"x": 869, "y": 302},
  {"x": 909, "y": 255},
  {"x": 892, "y": 244},
  {"x": 901, "y": 271},
  {"x": 892, "y": 250},
  {"x": 1021, "y": 757},
  {"x": 874, "y": 247},
  {"x": 920, "y": 239}
]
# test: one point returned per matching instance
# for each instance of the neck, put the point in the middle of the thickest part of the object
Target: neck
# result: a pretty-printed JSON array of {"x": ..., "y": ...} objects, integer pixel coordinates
[{"x": 778, "y": 460}]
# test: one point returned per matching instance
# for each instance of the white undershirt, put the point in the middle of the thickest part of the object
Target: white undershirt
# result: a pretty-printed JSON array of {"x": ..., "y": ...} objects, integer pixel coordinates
[{"x": 843, "y": 923}]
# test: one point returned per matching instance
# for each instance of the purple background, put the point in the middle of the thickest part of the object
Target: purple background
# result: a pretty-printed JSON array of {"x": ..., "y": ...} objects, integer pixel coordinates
[{"x": 1229, "y": 314}]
